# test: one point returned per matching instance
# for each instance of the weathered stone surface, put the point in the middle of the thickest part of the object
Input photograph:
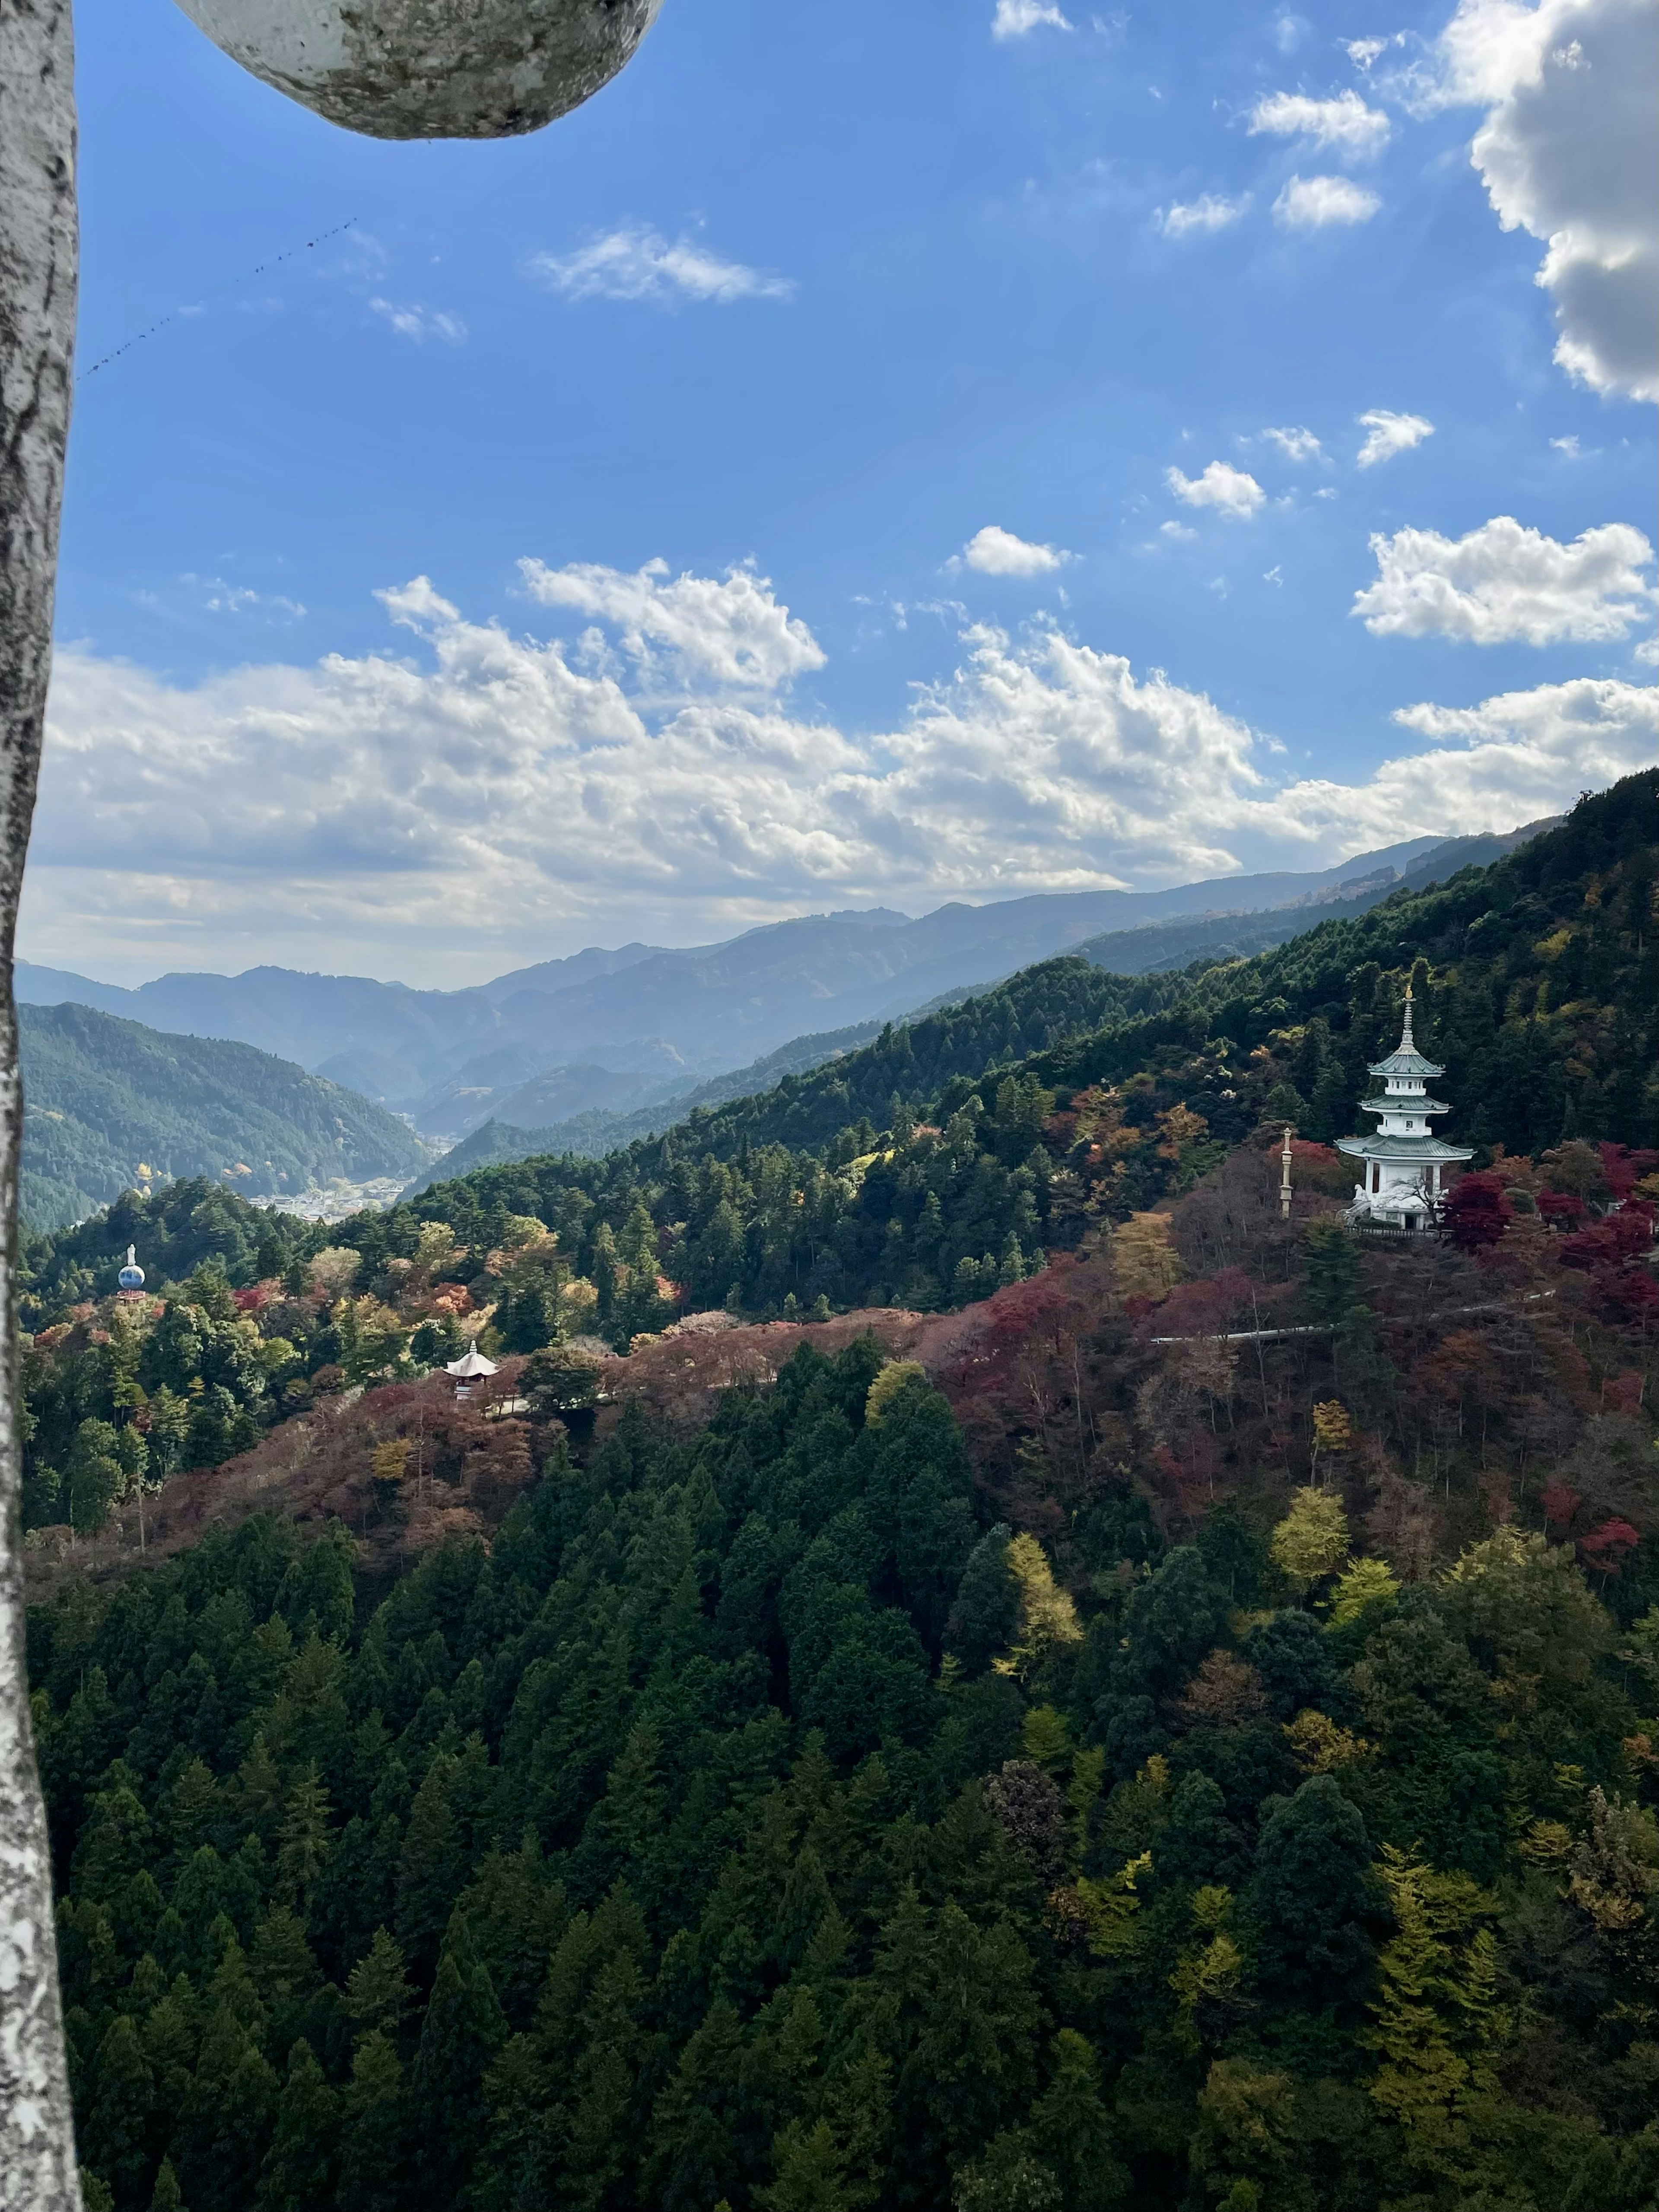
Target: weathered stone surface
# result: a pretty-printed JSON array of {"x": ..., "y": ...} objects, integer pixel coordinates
[
  {"x": 431, "y": 69},
  {"x": 37, "y": 329}
]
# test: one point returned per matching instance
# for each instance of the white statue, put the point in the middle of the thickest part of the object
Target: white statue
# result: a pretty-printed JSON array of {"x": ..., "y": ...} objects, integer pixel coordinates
[{"x": 393, "y": 69}]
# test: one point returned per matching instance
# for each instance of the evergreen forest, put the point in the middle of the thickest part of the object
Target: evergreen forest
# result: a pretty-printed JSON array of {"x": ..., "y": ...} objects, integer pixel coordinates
[{"x": 965, "y": 1660}]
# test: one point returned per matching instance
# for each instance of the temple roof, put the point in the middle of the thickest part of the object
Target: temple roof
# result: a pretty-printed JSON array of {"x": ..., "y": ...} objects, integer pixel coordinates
[
  {"x": 1404, "y": 1106},
  {"x": 1379, "y": 1147},
  {"x": 470, "y": 1363}
]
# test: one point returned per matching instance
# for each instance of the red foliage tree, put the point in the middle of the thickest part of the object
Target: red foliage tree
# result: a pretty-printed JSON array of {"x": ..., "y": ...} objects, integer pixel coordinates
[
  {"x": 1560, "y": 1206},
  {"x": 1607, "y": 1547},
  {"x": 1476, "y": 1212}
]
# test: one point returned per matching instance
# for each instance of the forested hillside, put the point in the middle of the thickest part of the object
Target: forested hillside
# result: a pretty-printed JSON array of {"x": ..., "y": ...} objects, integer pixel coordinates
[
  {"x": 932, "y": 1164},
  {"x": 1125, "y": 1775},
  {"x": 1097, "y": 1759},
  {"x": 111, "y": 1105}
]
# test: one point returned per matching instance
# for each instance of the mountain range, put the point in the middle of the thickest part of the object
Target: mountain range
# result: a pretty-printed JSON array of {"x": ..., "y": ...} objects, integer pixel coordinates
[
  {"x": 621, "y": 1030},
  {"x": 513, "y": 1131}
]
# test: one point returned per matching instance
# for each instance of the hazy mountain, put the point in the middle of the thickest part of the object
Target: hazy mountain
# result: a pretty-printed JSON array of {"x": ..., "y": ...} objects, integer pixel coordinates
[
  {"x": 511, "y": 1133},
  {"x": 592, "y": 1134},
  {"x": 709, "y": 1005},
  {"x": 111, "y": 1106},
  {"x": 1154, "y": 947}
]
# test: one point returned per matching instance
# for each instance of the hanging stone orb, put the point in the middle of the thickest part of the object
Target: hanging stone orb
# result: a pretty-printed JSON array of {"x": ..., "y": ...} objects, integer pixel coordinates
[{"x": 431, "y": 69}]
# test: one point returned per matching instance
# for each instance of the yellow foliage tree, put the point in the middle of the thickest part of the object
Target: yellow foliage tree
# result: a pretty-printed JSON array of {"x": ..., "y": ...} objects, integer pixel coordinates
[
  {"x": 1367, "y": 1582},
  {"x": 1145, "y": 1263},
  {"x": 1439, "y": 2025},
  {"x": 887, "y": 1385},
  {"x": 1320, "y": 1745},
  {"x": 388, "y": 1460},
  {"x": 1332, "y": 1430},
  {"x": 1108, "y": 1907},
  {"x": 1312, "y": 1540},
  {"x": 1207, "y": 1972},
  {"x": 1047, "y": 1615}
]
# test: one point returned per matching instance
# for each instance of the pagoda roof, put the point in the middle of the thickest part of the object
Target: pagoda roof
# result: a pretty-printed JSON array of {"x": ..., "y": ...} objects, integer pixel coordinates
[
  {"x": 1407, "y": 1061},
  {"x": 471, "y": 1362},
  {"x": 1379, "y": 1147},
  {"x": 1404, "y": 1106}
]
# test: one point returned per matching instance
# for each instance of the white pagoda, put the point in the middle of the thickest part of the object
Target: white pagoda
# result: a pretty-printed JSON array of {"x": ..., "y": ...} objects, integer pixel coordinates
[{"x": 1401, "y": 1163}]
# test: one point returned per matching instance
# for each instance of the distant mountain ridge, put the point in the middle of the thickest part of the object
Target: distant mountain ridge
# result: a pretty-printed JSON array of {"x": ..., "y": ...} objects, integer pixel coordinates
[
  {"x": 1153, "y": 948},
  {"x": 710, "y": 1006},
  {"x": 111, "y": 1105}
]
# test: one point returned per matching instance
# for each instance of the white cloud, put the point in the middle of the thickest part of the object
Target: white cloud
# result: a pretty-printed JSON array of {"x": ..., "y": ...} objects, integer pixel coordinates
[
  {"x": 1569, "y": 446},
  {"x": 997, "y": 552},
  {"x": 1362, "y": 52},
  {"x": 1232, "y": 490},
  {"x": 1527, "y": 752},
  {"x": 1388, "y": 433},
  {"x": 677, "y": 635},
  {"x": 419, "y": 323},
  {"x": 1502, "y": 583},
  {"x": 1344, "y": 122},
  {"x": 1294, "y": 445},
  {"x": 1177, "y": 531},
  {"x": 220, "y": 598},
  {"x": 1311, "y": 202},
  {"x": 634, "y": 262},
  {"x": 1016, "y": 19},
  {"x": 494, "y": 795},
  {"x": 1567, "y": 152},
  {"x": 1202, "y": 217}
]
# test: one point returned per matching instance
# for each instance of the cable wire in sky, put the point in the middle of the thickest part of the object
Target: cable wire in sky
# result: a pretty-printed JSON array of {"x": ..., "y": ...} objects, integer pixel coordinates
[{"x": 246, "y": 277}]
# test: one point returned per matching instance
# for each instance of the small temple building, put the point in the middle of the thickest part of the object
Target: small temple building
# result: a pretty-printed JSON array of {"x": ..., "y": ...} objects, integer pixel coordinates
[
  {"x": 130, "y": 1280},
  {"x": 1400, "y": 1162},
  {"x": 472, "y": 1367}
]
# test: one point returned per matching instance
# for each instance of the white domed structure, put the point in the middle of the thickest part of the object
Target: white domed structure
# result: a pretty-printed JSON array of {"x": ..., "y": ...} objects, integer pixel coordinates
[
  {"x": 431, "y": 69},
  {"x": 131, "y": 1276}
]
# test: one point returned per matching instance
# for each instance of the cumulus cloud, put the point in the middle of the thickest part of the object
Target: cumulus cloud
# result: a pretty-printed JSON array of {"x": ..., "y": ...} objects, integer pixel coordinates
[
  {"x": 1503, "y": 583},
  {"x": 1539, "y": 749},
  {"x": 1199, "y": 218},
  {"x": 681, "y": 632},
  {"x": 1294, "y": 445},
  {"x": 1016, "y": 18},
  {"x": 488, "y": 789},
  {"x": 997, "y": 552},
  {"x": 418, "y": 323},
  {"x": 1312, "y": 203},
  {"x": 634, "y": 262},
  {"x": 1345, "y": 124},
  {"x": 1388, "y": 433},
  {"x": 1233, "y": 491},
  {"x": 1568, "y": 153}
]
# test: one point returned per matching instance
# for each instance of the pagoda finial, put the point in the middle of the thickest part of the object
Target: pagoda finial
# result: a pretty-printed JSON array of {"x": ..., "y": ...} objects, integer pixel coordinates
[{"x": 1407, "y": 1043}]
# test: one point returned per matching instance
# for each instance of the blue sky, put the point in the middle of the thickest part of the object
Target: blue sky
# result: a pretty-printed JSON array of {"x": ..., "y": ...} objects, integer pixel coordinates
[{"x": 799, "y": 307}]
